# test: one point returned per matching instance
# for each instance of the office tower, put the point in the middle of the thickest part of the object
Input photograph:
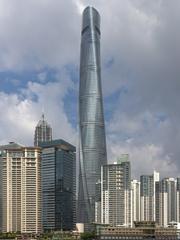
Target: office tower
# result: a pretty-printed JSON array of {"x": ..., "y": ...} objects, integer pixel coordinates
[
  {"x": 116, "y": 194},
  {"x": 166, "y": 201},
  {"x": 58, "y": 185},
  {"x": 92, "y": 149},
  {"x": 135, "y": 200},
  {"x": 178, "y": 200},
  {"x": 147, "y": 196},
  {"x": 20, "y": 188},
  {"x": 43, "y": 132}
]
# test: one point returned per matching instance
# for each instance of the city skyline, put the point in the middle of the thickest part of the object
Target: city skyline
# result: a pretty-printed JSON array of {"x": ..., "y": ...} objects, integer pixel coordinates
[{"x": 40, "y": 70}]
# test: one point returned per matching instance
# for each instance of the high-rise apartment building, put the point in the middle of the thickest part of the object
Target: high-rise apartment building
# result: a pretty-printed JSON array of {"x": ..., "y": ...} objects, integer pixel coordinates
[
  {"x": 92, "y": 152},
  {"x": 171, "y": 199},
  {"x": 135, "y": 200},
  {"x": 116, "y": 193},
  {"x": 58, "y": 185},
  {"x": 147, "y": 196},
  {"x": 162, "y": 203},
  {"x": 20, "y": 188},
  {"x": 43, "y": 132},
  {"x": 178, "y": 199},
  {"x": 166, "y": 201}
]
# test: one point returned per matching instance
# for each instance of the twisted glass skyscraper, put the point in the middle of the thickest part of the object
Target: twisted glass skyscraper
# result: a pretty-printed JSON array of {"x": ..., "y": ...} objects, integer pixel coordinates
[{"x": 92, "y": 152}]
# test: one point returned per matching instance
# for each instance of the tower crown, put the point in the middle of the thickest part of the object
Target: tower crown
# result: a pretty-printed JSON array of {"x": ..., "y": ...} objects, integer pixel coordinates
[
  {"x": 42, "y": 121},
  {"x": 91, "y": 20},
  {"x": 43, "y": 131}
]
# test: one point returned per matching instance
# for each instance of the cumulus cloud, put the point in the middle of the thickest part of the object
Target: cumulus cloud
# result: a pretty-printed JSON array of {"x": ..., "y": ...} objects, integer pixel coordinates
[
  {"x": 146, "y": 158},
  {"x": 37, "y": 34},
  {"x": 22, "y": 111}
]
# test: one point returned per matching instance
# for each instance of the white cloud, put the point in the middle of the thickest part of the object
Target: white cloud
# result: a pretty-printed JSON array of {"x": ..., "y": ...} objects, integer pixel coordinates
[
  {"x": 80, "y": 5},
  {"x": 38, "y": 33},
  {"x": 42, "y": 77},
  {"x": 145, "y": 158},
  {"x": 22, "y": 111}
]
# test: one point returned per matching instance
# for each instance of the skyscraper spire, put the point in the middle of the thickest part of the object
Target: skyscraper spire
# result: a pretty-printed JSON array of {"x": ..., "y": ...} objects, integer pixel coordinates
[
  {"x": 42, "y": 116},
  {"x": 92, "y": 152},
  {"x": 43, "y": 131}
]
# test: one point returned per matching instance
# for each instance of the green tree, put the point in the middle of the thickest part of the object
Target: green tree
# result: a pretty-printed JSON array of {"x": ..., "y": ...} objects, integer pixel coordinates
[{"x": 88, "y": 236}]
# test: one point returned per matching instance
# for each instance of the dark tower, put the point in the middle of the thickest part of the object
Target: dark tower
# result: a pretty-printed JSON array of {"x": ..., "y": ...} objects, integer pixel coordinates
[{"x": 58, "y": 164}]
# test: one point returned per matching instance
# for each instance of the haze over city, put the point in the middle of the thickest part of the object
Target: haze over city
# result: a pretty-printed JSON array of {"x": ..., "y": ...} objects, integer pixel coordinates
[{"x": 39, "y": 62}]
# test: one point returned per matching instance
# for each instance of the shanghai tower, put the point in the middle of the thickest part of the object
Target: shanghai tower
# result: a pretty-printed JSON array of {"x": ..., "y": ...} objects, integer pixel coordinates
[{"x": 92, "y": 144}]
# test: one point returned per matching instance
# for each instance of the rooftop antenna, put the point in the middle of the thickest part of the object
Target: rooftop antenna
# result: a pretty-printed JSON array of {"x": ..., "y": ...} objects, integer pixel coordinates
[{"x": 43, "y": 113}]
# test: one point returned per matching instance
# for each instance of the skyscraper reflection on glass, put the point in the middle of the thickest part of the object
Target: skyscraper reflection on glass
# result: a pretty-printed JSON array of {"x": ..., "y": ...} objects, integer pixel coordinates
[{"x": 92, "y": 152}]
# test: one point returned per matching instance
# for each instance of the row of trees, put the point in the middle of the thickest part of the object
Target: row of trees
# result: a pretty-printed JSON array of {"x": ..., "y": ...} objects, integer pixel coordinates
[{"x": 47, "y": 236}]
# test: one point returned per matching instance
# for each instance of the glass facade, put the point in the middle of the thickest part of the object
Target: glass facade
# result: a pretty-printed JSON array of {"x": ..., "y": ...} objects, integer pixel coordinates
[
  {"x": 58, "y": 185},
  {"x": 92, "y": 152},
  {"x": 147, "y": 197}
]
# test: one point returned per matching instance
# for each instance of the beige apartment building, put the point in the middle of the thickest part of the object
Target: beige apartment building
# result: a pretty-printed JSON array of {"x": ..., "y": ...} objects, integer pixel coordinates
[{"x": 20, "y": 188}]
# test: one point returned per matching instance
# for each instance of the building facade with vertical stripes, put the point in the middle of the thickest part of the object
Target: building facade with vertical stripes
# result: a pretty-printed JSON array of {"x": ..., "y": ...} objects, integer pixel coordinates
[
  {"x": 20, "y": 188},
  {"x": 58, "y": 171},
  {"x": 116, "y": 194},
  {"x": 92, "y": 142}
]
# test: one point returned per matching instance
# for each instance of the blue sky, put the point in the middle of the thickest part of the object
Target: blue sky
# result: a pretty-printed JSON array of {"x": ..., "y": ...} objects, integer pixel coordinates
[{"x": 39, "y": 71}]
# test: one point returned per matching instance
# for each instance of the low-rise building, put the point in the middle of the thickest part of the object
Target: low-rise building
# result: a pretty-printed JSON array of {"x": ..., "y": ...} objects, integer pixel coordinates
[{"x": 141, "y": 231}]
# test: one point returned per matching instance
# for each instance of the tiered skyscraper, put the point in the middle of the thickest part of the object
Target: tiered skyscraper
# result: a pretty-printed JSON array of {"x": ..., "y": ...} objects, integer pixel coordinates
[
  {"x": 92, "y": 152},
  {"x": 43, "y": 132}
]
